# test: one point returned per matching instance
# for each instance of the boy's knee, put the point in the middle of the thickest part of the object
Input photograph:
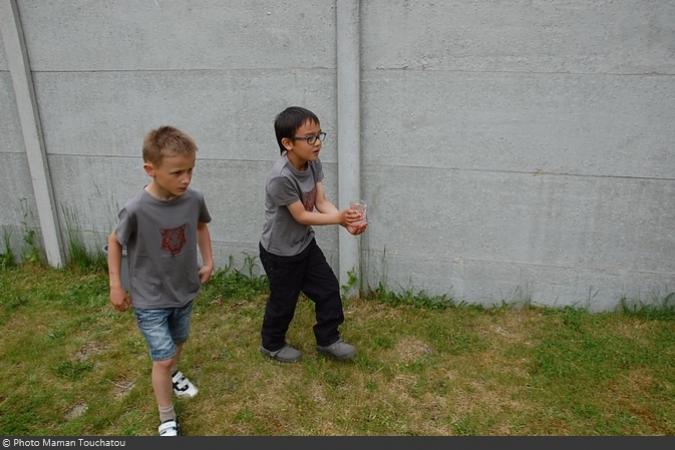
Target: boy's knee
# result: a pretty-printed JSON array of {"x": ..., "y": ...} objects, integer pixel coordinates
[{"x": 165, "y": 364}]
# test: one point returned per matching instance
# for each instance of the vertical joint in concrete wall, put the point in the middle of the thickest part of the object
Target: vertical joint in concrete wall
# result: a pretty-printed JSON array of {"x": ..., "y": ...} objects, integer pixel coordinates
[
  {"x": 349, "y": 132},
  {"x": 22, "y": 81}
]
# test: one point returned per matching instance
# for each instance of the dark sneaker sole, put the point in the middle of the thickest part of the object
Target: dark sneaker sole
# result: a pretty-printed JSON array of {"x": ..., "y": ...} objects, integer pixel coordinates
[
  {"x": 346, "y": 357},
  {"x": 276, "y": 358}
]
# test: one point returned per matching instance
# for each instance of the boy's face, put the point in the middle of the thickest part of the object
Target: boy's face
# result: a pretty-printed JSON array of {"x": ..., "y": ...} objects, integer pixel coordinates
[
  {"x": 173, "y": 175},
  {"x": 298, "y": 149}
]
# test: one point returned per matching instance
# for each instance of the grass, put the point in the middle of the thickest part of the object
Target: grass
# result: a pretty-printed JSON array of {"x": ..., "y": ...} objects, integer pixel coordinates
[
  {"x": 79, "y": 255},
  {"x": 71, "y": 365}
]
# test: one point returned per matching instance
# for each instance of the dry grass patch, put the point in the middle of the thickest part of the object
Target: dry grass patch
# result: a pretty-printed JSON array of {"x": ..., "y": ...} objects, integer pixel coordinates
[
  {"x": 121, "y": 388},
  {"x": 89, "y": 350},
  {"x": 410, "y": 349},
  {"x": 76, "y": 411}
]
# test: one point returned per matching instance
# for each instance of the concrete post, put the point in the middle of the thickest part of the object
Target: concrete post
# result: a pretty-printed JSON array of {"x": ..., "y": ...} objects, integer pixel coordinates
[
  {"x": 17, "y": 60},
  {"x": 349, "y": 131}
]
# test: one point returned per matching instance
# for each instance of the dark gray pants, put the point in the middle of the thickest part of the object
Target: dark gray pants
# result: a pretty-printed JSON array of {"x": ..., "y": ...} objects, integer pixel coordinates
[{"x": 307, "y": 272}]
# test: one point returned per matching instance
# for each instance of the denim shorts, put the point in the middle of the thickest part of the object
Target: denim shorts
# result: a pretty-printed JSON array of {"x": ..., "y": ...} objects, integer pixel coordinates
[{"x": 163, "y": 329}]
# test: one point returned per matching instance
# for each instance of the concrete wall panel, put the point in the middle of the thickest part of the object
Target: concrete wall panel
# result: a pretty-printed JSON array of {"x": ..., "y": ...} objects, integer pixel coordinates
[
  {"x": 229, "y": 113},
  {"x": 579, "y": 36},
  {"x": 519, "y": 149},
  {"x": 493, "y": 219},
  {"x": 17, "y": 202},
  {"x": 3, "y": 57},
  {"x": 569, "y": 124},
  {"x": 496, "y": 282},
  {"x": 172, "y": 35},
  {"x": 11, "y": 139},
  {"x": 90, "y": 190}
]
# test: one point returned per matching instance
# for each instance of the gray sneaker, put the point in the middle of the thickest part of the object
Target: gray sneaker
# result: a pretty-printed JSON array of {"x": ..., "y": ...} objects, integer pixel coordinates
[
  {"x": 285, "y": 354},
  {"x": 338, "y": 350}
]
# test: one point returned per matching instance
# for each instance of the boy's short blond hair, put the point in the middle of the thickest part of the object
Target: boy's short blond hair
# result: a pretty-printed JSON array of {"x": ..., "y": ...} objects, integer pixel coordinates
[{"x": 165, "y": 141}]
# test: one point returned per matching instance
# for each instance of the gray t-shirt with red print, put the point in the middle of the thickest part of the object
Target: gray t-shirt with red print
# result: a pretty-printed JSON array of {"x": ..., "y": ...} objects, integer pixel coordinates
[
  {"x": 285, "y": 184},
  {"x": 161, "y": 241}
]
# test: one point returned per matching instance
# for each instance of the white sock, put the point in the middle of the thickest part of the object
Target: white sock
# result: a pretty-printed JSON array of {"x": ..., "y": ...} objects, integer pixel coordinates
[{"x": 167, "y": 413}]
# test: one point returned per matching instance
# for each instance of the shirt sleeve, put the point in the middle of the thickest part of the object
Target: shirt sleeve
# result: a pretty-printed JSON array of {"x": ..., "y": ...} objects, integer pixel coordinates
[
  {"x": 282, "y": 191},
  {"x": 125, "y": 227},
  {"x": 204, "y": 215},
  {"x": 318, "y": 170}
]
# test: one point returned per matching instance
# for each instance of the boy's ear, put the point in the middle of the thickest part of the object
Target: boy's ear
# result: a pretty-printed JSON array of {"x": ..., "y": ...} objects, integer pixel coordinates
[
  {"x": 287, "y": 143},
  {"x": 149, "y": 169}
]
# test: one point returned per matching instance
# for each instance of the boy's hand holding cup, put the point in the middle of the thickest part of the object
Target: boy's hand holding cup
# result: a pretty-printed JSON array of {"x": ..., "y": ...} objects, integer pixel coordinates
[
  {"x": 360, "y": 207},
  {"x": 359, "y": 225}
]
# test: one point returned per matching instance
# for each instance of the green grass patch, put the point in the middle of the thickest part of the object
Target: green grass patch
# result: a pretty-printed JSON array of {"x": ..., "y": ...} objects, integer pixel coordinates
[{"x": 426, "y": 365}]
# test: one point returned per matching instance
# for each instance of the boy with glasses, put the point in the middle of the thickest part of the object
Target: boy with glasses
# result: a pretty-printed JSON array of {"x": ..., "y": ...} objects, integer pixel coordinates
[{"x": 294, "y": 201}]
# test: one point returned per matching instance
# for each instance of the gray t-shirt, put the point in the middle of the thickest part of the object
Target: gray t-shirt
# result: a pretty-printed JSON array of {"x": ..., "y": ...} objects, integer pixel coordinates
[
  {"x": 285, "y": 184},
  {"x": 161, "y": 241}
]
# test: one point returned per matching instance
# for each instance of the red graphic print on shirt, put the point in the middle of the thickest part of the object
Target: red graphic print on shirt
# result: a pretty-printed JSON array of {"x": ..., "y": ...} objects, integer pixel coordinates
[
  {"x": 309, "y": 200},
  {"x": 173, "y": 240}
]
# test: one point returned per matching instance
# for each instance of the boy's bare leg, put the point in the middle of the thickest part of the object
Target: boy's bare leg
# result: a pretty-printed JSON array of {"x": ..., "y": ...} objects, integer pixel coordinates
[
  {"x": 161, "y": 382},
  {"x": 176, "y": 358}
]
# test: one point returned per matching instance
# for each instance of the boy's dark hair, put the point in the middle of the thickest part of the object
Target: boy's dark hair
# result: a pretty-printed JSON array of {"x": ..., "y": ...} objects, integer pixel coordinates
[
  {"x": 289, "y": 120},
  {"x": 165, "y": 141}
]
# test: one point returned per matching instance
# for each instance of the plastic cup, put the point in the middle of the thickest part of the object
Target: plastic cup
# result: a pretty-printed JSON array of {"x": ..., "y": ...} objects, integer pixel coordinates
[{"x": 361, "y": 207}]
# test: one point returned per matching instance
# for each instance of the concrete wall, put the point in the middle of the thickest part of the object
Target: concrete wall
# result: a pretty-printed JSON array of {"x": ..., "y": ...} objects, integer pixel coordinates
[
  {"x": 17, "y": 202},
  {"x": 511, "y": 150},
  {"x": 107, "y": 72},
  {"x": 535, "y": 141}
]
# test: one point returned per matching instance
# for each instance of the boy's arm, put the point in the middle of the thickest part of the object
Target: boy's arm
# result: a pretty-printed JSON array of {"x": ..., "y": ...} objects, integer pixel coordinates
[
  {"x": 118, "y": 296},
  {"x": 304, "y": 217},
  {"x": 322, "y": 203},
  {"x": 325, "y": 206},
  {"x": 327, "y": 213},
  {"x": 204, "y": 242}
]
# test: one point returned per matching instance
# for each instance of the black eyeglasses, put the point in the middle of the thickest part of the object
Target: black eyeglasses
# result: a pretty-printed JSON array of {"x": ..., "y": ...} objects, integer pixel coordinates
[{"x": 311, "y": 139}]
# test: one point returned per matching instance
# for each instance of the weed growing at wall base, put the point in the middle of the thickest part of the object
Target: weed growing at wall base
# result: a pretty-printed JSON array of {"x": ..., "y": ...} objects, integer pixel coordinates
[
  {"x": 410, "y": 297},
  {"x": 230, "y": 282},
  {"x": 349, "y": 289},
  {"x": 78, "y": 253},
  {"x": 659, "y": 308},
  {"x": 7, "y": 258},
  {"x": 32, "y": 250},
  {"x": 81, "y": 257}
]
